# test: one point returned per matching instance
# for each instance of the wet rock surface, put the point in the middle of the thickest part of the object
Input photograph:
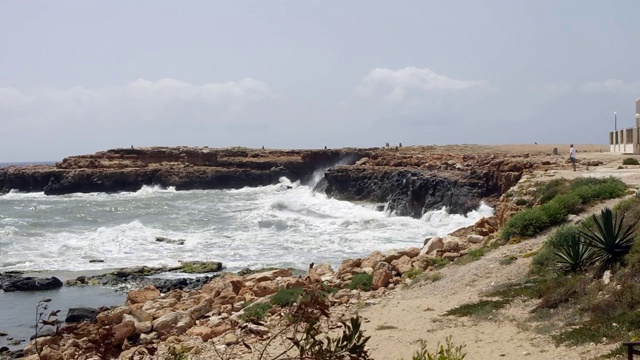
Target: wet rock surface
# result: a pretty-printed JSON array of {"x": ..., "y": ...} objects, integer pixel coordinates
[{"x": 10, "y": 282}]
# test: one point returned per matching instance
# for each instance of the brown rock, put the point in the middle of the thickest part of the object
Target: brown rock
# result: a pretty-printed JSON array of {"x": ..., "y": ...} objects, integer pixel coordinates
[
  {"x": 323, "y": 270},
  {"x": 265, "y": 288},
  {"x": 143, "y": 295},
  {"x": 220, "y": 329},
  {"x": 348, "y": 264},
  {"x": 175, "y": 322},
  {"x": 372, "y": 260},
  {"x": 402, "y": 264},
  {"x": 451, "y": 255},
  {"x": 226, "y": 297},
  {"x": 204, "y": 332},
  {"x": 268, "y": 275},
  {"x": 123, "y": 331},
  {"x": 435, "y": 243},
  {"x": 382, "y": 275}
]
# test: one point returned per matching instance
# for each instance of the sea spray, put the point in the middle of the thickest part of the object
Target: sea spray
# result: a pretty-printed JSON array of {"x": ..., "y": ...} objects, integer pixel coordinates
[{"x": 285, "y": 225}]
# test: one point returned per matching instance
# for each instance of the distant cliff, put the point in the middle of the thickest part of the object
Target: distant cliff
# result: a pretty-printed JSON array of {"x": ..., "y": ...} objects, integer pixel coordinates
[{"x": 412, "y": 180}]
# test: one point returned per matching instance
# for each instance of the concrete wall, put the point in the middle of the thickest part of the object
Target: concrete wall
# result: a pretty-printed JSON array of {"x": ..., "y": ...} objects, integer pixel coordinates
[{"x": 638, "y": 112}]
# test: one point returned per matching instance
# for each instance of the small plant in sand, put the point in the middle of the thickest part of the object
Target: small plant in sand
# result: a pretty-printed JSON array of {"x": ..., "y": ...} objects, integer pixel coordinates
[
  {"x": 630, "y": 161},
  {"x": 446, "y": 351}
]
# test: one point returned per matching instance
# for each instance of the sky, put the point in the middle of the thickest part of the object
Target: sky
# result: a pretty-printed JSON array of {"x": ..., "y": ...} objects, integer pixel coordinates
[{"x": 78, "y": 77}]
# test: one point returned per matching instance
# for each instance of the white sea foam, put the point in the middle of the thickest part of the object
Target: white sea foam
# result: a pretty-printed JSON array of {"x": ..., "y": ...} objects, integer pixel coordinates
[{"x": 278, "y": 225}]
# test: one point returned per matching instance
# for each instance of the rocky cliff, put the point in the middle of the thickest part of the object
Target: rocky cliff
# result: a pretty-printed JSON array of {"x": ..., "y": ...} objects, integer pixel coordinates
[{"x": 412, "y": 180}]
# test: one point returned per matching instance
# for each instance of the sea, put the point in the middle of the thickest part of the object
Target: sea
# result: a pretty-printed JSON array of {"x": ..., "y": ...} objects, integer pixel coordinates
[{"x": 282, "y": 225}]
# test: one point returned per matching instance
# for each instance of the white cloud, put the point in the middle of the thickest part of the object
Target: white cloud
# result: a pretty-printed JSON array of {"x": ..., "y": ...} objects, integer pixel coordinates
[
  {"x": 398, "y": 85},
  {"x": 611, "y": 86},
  {"x": 559, "y": 88},
  {"x": 139, "y": 101}
]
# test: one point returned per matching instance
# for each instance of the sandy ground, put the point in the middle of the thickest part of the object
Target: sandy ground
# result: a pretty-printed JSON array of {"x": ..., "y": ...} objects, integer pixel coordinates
[{"x": 417, "y": 312}]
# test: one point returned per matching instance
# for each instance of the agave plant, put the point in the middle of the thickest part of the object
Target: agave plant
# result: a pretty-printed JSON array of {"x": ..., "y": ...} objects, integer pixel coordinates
[
  {"x": 609, "y": 238},
  {"x": 573, "y": 255}
]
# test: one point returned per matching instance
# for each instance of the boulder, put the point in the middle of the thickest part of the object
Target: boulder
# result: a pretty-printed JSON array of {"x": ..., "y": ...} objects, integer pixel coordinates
[
  {"x": 451, "y": 244},
  {"x": 29, "y": 283},
  {"x": 123, "y": 331},
  {"x": 347, "y": 265},
  {"x": 141, "y": 296},
  {"x": 372, "y": 260},
  {"x": 265, "y": 288},
  {"x": 474, "y": 239},
  {"x": 402, "y": 264},
  {"x": 174, "y": 323},
  {"x": 435, "y": 243},
  {"x": 382, "y": 275},
  {"x": 76, "y": 315}
]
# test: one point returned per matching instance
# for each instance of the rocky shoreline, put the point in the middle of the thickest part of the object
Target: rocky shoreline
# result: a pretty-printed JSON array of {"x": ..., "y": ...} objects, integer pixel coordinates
[
  {"x": 410, "y": 180},
  {"x": 210, "y": 314}
]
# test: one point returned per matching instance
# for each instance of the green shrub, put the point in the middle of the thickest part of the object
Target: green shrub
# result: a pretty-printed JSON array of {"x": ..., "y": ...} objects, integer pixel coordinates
[
  {"x": 256, "y": 312},
  {"x": 286, "y": 297},
  {"x": 448, "y": 351},
  {"x": 548, "y": 190},
  {"x": 480, "y": 308},
  {"x": 412, "y": 273},
  {"x": 570, "y": 203},
  {"x": 525, "y": 223},
  {"x": 361, "y": 282},
  {"x": 630, "y": 161},
  {"x": 530, "y": 222},
  {"x": 594, "y": 189}
]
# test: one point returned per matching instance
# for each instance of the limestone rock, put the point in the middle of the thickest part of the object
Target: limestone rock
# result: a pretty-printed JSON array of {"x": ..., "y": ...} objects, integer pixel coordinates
[
  {"x": 123, "y": 331},
  {"x": 143, "y": 295},
  {"x": 372, "y": 260},
  {"x": 451, "y": 255},
  {"x": 382, "y": 275},
  {"x": 475, "y": 239},
  {"x": 175, "y": 322},
  {"x": 436, "y": 243}
]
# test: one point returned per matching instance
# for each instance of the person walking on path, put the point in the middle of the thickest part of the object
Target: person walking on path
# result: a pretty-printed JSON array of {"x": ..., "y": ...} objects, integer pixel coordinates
[{"x": 572, "y": 157}]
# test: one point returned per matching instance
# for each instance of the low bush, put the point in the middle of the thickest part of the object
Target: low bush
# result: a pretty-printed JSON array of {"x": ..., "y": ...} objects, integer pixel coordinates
[
  {"x": 446, "y": 351},
  {"x": 630, "y": 161},
  {"x": 580, "y": 192},
  {"x": 412, "y": 273},
  {"x": 256, "y": 312},
  {"x": 286, "y": 297},
  {"x": 480, "y": 308},
  {"x": 548, "y": 190},
  {"x": 361, "y": 282}
]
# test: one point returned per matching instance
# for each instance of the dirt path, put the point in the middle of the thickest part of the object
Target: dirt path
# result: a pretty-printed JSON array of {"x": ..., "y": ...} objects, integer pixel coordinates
[{"x": 416, "y": 313}]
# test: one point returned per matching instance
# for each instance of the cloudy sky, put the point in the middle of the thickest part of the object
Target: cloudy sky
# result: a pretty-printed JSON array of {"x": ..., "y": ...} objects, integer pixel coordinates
[{"x": 83, "y": 76}]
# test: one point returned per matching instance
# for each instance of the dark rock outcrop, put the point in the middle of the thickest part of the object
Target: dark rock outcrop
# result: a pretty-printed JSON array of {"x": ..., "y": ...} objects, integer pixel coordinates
[
  {"x": 413, "y": 192},
  {"x": 182, "y": 167},
  {"x": 13, "y": 282},
  {"x": 412, "y": 180},
  {"x": 76, "y": 315}
]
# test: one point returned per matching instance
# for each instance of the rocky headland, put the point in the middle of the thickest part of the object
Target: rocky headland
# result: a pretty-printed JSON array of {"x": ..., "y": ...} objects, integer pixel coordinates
[
  {"x": 410, "y": 180},
  {"x": 210, "y": 319}
]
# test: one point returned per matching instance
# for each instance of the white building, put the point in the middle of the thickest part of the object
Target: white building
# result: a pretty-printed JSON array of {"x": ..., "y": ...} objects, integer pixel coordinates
[{"x": 627, "y": 140}]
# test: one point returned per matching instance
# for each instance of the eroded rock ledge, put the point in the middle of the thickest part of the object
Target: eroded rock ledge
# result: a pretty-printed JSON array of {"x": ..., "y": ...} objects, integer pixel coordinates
[{"x": 412, "y": 180}]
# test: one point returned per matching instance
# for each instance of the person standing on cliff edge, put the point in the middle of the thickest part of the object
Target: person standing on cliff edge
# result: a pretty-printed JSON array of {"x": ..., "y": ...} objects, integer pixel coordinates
[{"x": 572, "y": 157}]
